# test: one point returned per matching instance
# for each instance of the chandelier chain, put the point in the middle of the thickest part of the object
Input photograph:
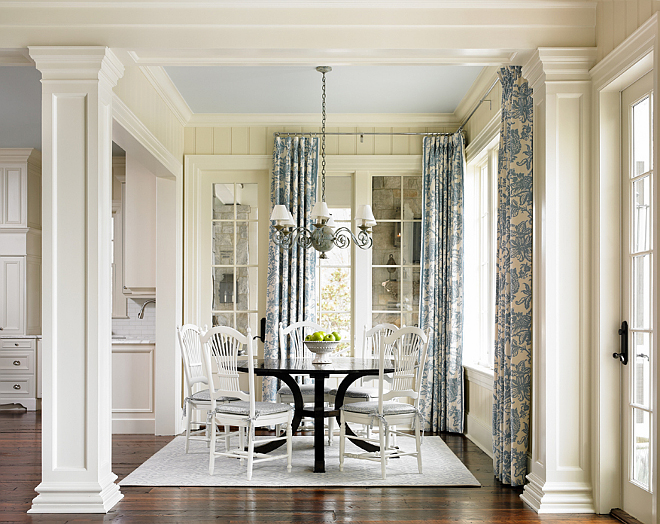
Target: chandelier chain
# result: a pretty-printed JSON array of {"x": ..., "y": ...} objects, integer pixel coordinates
[{"x": 323, "y": 143}]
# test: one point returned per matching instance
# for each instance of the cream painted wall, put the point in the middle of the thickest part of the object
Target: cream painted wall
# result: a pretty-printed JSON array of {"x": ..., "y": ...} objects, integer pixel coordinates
[
  {"x": 142, "y": 99},
  {"x": 259, "y": 140},
  {"x": 616, "y": 20}
]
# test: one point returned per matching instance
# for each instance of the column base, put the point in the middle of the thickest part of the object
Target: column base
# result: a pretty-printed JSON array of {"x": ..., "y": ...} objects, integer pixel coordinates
[
  {"x": 558, "y": 497},
  {"x": 76, "y": 497}
]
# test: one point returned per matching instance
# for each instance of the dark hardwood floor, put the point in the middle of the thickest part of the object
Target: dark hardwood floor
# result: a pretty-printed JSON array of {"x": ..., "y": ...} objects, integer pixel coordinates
[{"x": 20, "y": 472}]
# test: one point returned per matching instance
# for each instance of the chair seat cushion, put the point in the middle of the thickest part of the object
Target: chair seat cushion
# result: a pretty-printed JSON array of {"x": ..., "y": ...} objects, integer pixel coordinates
[
  {"x": 371, "y": 408},
  {"x": 205, "y": 396},
  {"x": 357, "y": 392},
  {"x": 305, "y": 389},
  {"x": 242, "y": 407}
]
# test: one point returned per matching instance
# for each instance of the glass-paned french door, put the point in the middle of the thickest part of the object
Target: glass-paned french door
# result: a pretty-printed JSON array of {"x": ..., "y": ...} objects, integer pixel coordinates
[
  {"x": 234, "y": 237},
  {"x": 397, "y": 206},
  {"x": 638, "y": 410}
]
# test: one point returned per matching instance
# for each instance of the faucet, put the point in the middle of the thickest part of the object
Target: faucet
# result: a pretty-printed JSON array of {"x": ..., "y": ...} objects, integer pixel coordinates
[{"x": 141, "y": 313}]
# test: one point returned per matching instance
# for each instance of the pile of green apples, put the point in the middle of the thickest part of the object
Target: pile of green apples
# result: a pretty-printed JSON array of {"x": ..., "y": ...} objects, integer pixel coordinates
[{"x": 321, "y": 336}]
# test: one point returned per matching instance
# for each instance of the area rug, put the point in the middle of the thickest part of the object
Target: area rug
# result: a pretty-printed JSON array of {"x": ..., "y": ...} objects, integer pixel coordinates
[{"x": 171, "y": 466}]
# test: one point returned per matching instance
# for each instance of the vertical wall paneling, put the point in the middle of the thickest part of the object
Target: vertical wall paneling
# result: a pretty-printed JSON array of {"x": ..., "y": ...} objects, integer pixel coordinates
[
  {"x": 258, "y": 141},
  {"x": 382, "y": 143},
  {"x": 400, "y": 144},
  {"x": 618, "y": 19},
  {"x": 365, "y": 146},
  {"x": 189, "y": 141},
  {"x": 346, "y": 144},
  {"x": 240, "y": 140},
  {"x": 221, "y": 141},
  {"x": 204, "y": 141}
]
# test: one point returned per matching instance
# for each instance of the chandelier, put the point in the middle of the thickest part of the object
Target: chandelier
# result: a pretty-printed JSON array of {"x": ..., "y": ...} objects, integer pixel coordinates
[{"x": 323, "y": 236}]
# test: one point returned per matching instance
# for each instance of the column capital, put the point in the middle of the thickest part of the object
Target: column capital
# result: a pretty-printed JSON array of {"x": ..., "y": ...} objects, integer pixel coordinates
[
  {"x": 77, "y": 63},
  {"x": 559, "y": 64}
]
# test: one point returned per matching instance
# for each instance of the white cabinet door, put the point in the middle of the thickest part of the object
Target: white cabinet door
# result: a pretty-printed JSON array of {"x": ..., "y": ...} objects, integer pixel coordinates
[
  {"x": 12, "y": 295},
  {"x": 13, "y": 211}
]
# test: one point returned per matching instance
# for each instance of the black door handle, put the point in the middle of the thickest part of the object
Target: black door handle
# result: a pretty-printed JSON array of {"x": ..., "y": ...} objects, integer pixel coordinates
[
  {"x": 261, "y": 337},
  {"x": 623, "y": 355}
]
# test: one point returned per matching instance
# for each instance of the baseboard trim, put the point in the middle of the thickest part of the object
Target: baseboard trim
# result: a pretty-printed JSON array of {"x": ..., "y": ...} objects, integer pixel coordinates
[
  {"x": 77, "y": 497},
  {"x": 134, "y": 426},
  {"x": 557, "y": 497}
]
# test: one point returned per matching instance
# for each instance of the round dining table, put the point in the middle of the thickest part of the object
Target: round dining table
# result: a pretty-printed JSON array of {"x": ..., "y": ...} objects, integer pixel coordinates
[{"x": 286, "y": 369}]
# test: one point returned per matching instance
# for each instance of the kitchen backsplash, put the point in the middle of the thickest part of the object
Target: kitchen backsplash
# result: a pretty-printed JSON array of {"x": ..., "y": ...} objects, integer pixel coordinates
[{"x": 133, "y": 327}]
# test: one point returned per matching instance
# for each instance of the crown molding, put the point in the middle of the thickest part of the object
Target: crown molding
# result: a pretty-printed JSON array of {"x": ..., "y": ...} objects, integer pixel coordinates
[
  {"x": 314, "y": 119},
  {"x": 476, "y": 92},
  {"x": 164, "y": 86},
  {"x": 15, "y": 57},
  {"x": 62, "y": 63},
  {"x": 134, "y": 126},
  {"x": 560, "y": 64},
  {"x": 633, "y": 54}
]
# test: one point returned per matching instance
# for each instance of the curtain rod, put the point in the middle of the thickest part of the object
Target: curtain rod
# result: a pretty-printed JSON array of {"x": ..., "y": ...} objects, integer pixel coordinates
[
  {"x": 479, "y": 104},
  {"x": 428, "y": 133},
  {"x": 357, "y": 133}
]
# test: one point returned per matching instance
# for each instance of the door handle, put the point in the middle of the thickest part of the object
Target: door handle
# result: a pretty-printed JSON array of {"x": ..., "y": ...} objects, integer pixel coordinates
[
  {"x": 623, "y": 354},
  {"x": 261, "y": 337}
]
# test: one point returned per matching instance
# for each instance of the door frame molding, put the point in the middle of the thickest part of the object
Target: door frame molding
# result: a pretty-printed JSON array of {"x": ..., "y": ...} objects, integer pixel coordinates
[{"x": 631, "y": 60}]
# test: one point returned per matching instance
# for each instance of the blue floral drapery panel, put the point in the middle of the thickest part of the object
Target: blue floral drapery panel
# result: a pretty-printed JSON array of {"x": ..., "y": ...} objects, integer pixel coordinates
[
  {"x": 513, "y": 288},
  {"x": 441, "y": 297},
  {"x": 290, "y": 293}
]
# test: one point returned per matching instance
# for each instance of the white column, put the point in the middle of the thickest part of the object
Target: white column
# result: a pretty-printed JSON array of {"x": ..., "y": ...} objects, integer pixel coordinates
[
  {"x": 560, "y": 480},
  {"x": 169, "y": 290},
  {"x": 77, "y": 87}
]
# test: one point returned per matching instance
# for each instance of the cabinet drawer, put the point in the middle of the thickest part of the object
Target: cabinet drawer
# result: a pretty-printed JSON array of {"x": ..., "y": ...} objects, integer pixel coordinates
[
  {"x": 21, "y": 362},
  {"x": 19, "y": 386},
  {"x": 17, "y": 343}
]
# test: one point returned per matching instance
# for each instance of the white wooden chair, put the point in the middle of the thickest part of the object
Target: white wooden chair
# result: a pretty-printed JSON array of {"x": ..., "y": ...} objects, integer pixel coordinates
[
  {"x": 370, "y": 345},
  {"x": 409, "y": 346},
  {"x": 295, "y": 334},
  {"x": 222, "y": 346},
  {"x": 193, "y": 368}
]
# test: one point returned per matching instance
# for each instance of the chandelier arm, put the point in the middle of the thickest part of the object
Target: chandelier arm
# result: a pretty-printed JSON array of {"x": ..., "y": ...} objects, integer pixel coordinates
[
  {"x": 343, "y": 235},
  {"x": 287, "y": 238}
]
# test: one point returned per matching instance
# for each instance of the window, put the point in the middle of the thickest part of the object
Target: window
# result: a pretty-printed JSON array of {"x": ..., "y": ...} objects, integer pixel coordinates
[
  {"x": 333, "y": 275},
  {"x": 356, "y": 287},
  {"x": 480, "y": 255}
]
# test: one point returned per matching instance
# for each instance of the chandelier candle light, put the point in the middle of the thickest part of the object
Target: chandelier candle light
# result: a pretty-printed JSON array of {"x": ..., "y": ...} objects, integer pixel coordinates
[{"x": 323, "y": 236}]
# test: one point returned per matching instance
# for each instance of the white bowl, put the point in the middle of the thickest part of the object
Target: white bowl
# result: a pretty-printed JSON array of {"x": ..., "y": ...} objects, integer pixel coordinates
[{"x": 322, "y": 349}]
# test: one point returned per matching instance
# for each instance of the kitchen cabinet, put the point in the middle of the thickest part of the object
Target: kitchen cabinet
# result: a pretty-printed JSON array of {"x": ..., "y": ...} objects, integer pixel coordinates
[
  {"x": 20, "y": 275},
  {"x": 139, "y": 230},
  {"x": 20, "y": 242},
  {"x": 18, "y": 372},
  {"x": 133, "y": 393}
]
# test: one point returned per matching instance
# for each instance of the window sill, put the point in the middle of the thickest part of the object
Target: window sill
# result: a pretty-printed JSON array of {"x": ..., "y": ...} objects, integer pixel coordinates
[{"x": 480, "y": 375}]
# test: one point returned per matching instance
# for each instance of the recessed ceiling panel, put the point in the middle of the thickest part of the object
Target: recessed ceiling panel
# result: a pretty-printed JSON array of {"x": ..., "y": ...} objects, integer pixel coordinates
[{"x": 349, "y": 89}]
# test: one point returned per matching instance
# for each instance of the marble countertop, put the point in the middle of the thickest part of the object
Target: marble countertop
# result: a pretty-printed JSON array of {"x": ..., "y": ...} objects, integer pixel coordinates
[
  {"x": 128, "y": 340},
  {"x": 20, "y": 336}
]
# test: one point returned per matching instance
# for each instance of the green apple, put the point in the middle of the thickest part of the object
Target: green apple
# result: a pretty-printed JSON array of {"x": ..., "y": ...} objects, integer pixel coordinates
[
  {"x": 308, "y": 338},
  {"x": 336, "y": 335},
  {"x": 318, "y": 336},
  {"x": 329, "y": 338}
]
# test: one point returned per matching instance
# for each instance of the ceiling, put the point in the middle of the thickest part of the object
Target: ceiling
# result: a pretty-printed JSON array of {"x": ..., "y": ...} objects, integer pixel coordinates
[
  {"x": 297, "y": 89},
  {"x": 263, "y": 89}
]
